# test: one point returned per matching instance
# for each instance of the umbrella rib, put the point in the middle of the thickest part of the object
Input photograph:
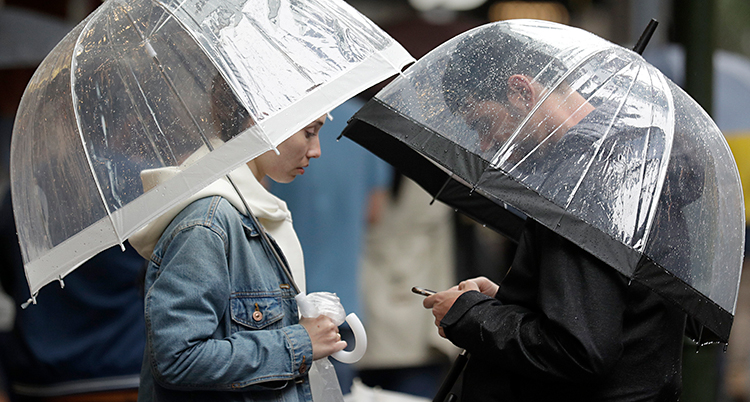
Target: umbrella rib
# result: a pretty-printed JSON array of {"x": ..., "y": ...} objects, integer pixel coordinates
[
  {"x": 153, "y": 119},
  {"x": 167, "y": 79},
  {"x": 642, "y": 176},
  {"x": 600, "y": 141},
  {"x": 669, "y": 138},
  {"x": 164, "y": 18},
  {"x": 508, "y": 143},
  {"x": 272, "y": 41},
  {"x": 265, "y": 136},
  {"x": 74, "y": 99},
  {"x": 222, "y": 62},
  {"x": 210, "y": 147}
]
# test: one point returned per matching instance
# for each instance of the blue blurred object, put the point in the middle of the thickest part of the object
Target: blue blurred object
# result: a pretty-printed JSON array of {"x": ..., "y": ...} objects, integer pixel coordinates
[
  {"x": 731, "y": 83},
  {"x": 87, "y": 337},
  {"x": 731, "y": 95}
]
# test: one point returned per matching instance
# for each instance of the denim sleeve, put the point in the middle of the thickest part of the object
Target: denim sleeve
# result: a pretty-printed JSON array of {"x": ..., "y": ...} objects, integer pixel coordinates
[{"x": 184, "y": 308}]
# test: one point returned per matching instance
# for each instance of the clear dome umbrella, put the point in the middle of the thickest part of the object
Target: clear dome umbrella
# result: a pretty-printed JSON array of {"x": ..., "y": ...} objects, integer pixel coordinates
[
  {"x": 609, "y": 154},
  {"x": 143, "y": 84}
]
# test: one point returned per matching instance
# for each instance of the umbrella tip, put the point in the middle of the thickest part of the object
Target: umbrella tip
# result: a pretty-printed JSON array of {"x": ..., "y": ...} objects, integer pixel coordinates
[
  {"x": 640, "y": 46},
  {"x": 28, "y": 302}
]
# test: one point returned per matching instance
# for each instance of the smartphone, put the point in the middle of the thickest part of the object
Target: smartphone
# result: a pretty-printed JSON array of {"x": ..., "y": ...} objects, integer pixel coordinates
[{"x": 423, "y": 292}]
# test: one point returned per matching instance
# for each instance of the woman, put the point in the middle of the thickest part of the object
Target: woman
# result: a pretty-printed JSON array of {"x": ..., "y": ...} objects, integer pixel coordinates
[{"x": 221, "y": 319}]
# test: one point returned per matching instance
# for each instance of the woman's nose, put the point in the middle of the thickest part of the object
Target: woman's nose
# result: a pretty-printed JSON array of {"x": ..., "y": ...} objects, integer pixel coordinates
[{"x": 314, "y": 150}]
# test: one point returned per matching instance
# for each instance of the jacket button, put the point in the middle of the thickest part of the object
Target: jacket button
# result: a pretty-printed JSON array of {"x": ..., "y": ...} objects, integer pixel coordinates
[
  {"x": 257, "y": 315},
  {"x": 302, "y": 368}
]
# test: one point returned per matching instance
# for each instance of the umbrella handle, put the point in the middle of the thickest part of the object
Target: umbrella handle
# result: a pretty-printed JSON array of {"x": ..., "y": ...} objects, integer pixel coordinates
[
  {"x": 360, "y": 342},
  {"x": 308, "y": 309},
  {"x": 456, "y": 369}
]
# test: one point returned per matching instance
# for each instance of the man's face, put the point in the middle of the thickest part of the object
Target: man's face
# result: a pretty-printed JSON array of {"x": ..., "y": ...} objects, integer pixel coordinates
[{"x": 494, "y": 123}]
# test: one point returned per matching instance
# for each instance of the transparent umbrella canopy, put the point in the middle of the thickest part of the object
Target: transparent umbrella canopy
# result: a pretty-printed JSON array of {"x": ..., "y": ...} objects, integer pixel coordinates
[
  {"x": 731, "y": 95},
  {"x": 144, "y": 84},
  {"x": 612, "y": 156}
]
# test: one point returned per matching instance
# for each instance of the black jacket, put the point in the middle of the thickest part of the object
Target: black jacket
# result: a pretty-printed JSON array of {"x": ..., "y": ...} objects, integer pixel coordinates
[{"x": 564, "y": 326}]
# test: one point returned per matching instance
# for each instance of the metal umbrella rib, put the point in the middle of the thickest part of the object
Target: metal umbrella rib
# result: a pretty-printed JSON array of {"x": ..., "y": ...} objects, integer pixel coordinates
[{"x": 83, "y": 142}]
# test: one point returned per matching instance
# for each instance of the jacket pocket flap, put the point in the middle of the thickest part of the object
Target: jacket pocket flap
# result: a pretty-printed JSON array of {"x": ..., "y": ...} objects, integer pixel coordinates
[{"x": 255, "y": 311}]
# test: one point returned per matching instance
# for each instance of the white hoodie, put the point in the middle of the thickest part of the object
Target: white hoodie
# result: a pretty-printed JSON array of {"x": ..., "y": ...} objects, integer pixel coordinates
[{"x": 271, "y": 211}]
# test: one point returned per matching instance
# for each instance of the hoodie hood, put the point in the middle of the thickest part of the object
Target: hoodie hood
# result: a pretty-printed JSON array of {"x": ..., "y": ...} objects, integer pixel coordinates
[{"x": 271, "y": 212}]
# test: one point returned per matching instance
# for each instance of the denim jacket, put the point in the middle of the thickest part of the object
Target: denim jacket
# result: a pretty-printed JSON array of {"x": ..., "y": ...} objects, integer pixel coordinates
[{"x": 221, "y": 320}]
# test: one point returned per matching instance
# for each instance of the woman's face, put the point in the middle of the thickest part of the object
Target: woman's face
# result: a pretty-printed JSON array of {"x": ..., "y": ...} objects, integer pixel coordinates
[{"x": 294, "y": 154}]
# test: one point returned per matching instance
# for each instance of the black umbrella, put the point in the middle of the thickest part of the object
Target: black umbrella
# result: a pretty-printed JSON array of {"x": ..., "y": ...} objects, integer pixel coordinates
[{"x": 647, "y": 183}]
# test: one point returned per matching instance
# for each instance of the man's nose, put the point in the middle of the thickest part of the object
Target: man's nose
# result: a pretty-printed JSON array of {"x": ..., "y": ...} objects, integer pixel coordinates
[{"x": 486, "y": 142}]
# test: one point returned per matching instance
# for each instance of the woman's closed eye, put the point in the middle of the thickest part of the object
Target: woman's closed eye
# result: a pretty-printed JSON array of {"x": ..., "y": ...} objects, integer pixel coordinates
[{"x": 313, "y": 129}]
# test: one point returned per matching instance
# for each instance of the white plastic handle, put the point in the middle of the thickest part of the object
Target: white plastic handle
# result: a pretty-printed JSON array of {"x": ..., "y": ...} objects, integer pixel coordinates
[
  {"x": 360, "y": 342},
  {"x": 307, "y": 309}
]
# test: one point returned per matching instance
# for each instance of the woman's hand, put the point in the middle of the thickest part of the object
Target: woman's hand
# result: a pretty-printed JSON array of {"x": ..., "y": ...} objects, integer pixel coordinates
[{"x": 324, "y": 335}]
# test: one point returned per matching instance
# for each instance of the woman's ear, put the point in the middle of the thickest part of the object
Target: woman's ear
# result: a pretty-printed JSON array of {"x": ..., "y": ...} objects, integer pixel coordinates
[{"x": 521, "y": 94}]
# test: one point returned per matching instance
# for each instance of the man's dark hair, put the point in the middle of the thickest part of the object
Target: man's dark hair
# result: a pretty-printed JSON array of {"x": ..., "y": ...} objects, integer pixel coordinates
[{"x": 483, "y": 61}]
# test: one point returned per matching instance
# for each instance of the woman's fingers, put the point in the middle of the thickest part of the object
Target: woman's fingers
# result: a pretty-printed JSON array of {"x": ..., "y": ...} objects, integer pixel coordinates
[{"x": 324, "y": 335}]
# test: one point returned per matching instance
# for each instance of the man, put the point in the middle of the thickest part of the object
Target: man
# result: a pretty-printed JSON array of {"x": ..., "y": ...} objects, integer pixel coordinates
[{"x": 564, "y": 325}]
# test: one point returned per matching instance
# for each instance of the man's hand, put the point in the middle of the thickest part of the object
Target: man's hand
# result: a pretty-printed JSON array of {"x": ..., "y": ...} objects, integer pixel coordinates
[
  {"x": 485, "y": 285},
  {"x": 441, "y": 302}
]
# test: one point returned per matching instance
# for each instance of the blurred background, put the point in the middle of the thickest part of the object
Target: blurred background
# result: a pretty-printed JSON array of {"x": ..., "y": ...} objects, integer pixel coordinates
[{"x": 702, "y": 45}]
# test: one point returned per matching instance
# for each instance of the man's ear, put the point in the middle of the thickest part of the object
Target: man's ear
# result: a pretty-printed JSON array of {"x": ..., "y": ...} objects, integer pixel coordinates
[{"x": 521, "y": 94}]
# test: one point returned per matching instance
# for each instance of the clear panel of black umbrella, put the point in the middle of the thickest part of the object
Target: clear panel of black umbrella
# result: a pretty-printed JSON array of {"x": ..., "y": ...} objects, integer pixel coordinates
[{"x": 646, "y": 182}]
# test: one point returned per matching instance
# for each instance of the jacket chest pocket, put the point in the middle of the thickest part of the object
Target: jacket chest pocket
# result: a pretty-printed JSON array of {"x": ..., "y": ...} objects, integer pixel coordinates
[{"x": 256, "y": 312}]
